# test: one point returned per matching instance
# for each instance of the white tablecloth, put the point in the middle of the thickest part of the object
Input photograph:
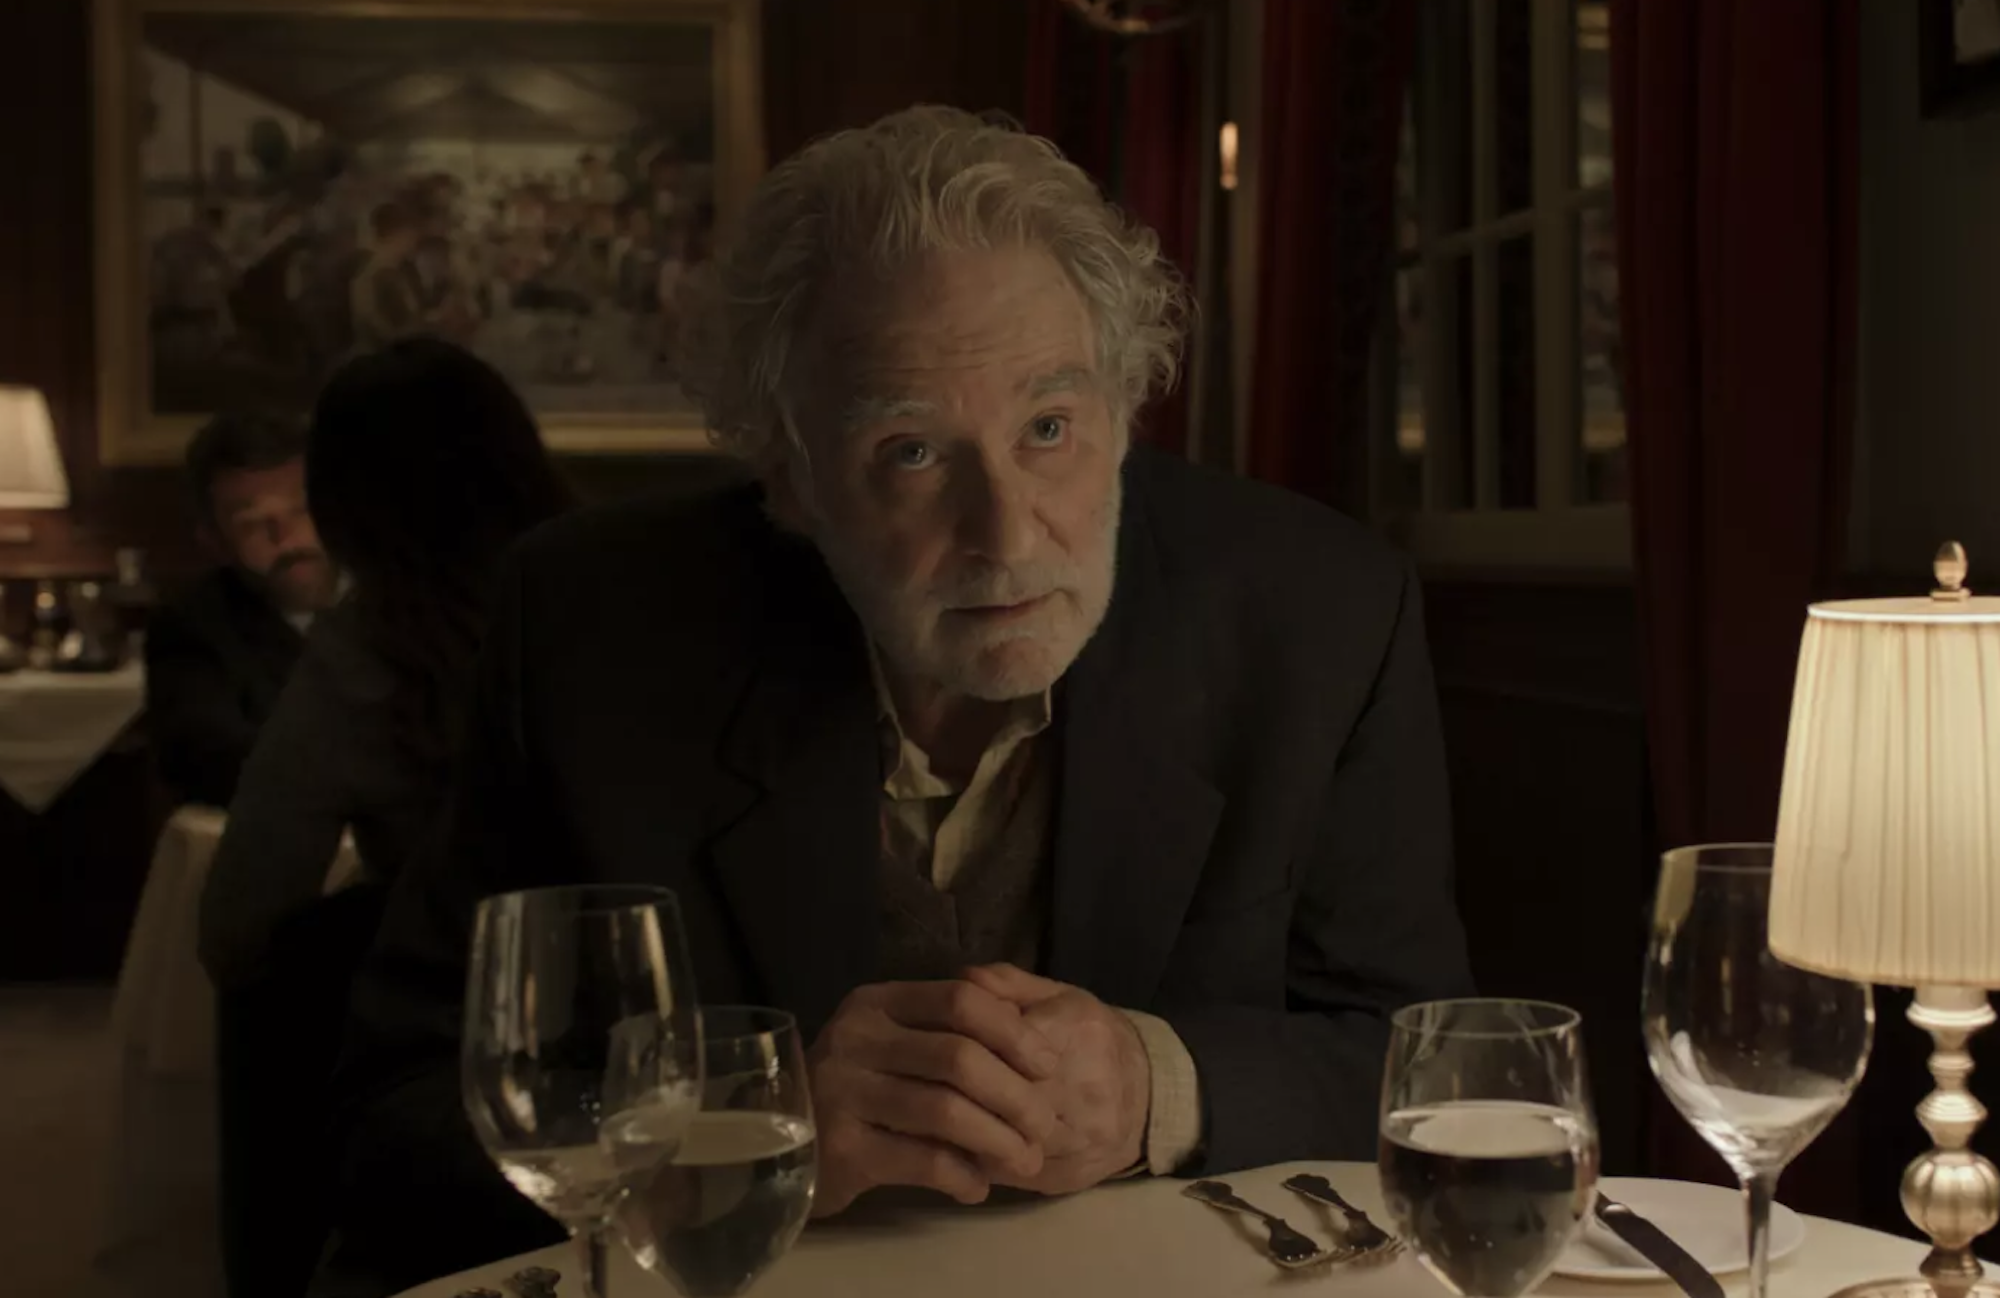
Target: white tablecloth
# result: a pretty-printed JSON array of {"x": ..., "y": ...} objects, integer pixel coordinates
[
  {"x": 53, "y": 725},
  {"x": 1141, "y": 1237},
  {"x": 161, "y": 1179}
]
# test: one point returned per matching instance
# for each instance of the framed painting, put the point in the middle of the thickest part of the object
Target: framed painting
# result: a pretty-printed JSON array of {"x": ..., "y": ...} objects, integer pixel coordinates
[
  {"x": 1958, "y": 52},
  {"x": 282, "y": 184}
]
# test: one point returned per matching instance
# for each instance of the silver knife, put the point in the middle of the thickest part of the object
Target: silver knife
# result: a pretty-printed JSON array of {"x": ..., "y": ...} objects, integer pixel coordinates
[{"x": 1657, "y": 1247}]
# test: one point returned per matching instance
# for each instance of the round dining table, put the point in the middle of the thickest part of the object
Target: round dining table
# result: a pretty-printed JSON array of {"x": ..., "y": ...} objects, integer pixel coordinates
[{"x": 1144, "y": 1238}]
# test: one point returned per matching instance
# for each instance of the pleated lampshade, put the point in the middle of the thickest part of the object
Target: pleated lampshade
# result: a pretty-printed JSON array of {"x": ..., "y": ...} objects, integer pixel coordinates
[
  {"x": 1887, "y": 866},
  {"x": 31, "y": 467}
]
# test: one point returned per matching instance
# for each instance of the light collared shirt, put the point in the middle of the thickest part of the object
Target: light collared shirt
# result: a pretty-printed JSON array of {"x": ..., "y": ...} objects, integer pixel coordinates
[{"x": 936, "y": 827}]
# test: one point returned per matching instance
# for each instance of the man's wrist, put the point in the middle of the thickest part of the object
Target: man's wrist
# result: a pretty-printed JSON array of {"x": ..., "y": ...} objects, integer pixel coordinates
[
  {"x": 1138, "y": 1074},
  {"x": 1173, "y": 1126}
]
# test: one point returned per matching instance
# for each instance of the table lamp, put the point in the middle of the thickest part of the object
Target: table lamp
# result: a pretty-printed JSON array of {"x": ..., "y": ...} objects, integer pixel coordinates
[
  {"x": 31, "y": 467},
  {"x": 1887, "y": 866}
]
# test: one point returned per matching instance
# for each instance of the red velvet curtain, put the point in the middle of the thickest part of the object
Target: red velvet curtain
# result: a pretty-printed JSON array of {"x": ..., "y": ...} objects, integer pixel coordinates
[
  {"x": 1128, "y": 111},
  {"x": 1735, "y": 142},
  {"x": 1334, "y": 82}
]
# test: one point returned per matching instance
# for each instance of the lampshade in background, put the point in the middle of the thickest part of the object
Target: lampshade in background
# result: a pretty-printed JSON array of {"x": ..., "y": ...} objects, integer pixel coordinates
[
  {"x": 1887, "y": 866},
  {"x": 31, "y": 468},
  {"x": 1888, "y": 847}
]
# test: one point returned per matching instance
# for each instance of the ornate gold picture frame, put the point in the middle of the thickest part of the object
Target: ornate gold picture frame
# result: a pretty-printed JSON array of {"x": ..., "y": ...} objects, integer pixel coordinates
[{"x": 281, "y": 184}]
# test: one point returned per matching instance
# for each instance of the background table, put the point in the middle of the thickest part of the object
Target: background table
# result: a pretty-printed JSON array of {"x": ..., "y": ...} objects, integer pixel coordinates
[
  {"x": 54, "y": 725},
  {"x": 1142, "y": 1238}
]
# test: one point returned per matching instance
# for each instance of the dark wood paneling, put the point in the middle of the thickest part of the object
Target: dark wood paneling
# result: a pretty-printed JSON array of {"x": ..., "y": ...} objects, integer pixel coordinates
[
  {"x": 831, "y": 64},
  {"x": 1539, "y": 686},
  {"x": 46, "y": 294}
]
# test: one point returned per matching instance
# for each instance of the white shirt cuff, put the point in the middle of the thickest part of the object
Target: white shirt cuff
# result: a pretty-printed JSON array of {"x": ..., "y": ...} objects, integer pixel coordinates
[{"x": 1173, "y": 1127}]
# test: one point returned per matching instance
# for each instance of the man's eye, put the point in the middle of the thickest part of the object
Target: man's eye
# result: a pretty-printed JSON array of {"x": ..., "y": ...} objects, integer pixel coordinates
[
  {"x": 1049, "y": 430},
  {"x": 912, "y": 455}
]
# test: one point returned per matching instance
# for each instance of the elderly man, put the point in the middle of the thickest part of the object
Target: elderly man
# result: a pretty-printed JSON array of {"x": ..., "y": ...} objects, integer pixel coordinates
[{"x": 1086, "y": 807}]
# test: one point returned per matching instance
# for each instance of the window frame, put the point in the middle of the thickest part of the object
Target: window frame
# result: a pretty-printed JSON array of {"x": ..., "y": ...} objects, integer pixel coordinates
[{"x": 1558, "y": 532}]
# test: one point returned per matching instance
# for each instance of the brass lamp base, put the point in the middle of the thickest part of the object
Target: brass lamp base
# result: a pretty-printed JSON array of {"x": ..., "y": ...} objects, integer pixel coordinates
[{"x": 1951, "y": 1193}]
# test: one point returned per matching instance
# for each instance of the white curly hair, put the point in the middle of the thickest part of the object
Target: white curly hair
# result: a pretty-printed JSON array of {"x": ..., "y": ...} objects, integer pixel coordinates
[{"x": 876, "y": 199}]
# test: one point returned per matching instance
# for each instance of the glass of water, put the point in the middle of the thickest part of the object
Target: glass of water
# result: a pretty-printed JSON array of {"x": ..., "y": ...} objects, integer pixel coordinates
[
  {"x": 1756, "y": 1054},
  {"x": 732, "y": 1200},
  {"x": 580, "y": 1062},
  {"x": 1489, "y": 1144}
]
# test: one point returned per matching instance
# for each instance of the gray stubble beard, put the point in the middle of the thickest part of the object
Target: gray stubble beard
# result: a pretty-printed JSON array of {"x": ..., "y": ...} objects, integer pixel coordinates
[{"x": 878, "y": 612}]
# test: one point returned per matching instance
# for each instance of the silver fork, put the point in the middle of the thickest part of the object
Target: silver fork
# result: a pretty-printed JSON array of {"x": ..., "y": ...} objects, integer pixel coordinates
[
  {"x": 1287, "y": 1247},
  {"x": 1367, "y": 1239}
]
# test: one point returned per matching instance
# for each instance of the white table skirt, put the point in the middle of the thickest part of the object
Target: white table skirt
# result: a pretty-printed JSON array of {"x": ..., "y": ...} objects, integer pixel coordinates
[
  {"x": 1142, "y": 1237},
  {"x": 161, "y": 1178},
  {"x": 54, "y": 725}
]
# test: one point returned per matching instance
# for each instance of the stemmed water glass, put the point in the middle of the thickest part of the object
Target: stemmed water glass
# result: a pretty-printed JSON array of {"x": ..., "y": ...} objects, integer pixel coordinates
[
  {"x": 580, "y": 1066},
  {"x": 1489, "y": 1144},
  {"x": 722, "y": 1210},
  {"x": 1756, "y": 1054}
]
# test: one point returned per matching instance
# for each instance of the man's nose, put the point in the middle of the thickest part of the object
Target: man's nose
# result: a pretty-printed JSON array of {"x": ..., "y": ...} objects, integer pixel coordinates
[
  {"x": 292, "y": 530},
  {"x": 999, "y": 519}
]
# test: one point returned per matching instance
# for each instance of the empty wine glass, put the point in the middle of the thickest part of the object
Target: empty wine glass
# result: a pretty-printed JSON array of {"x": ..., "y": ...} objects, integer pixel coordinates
[
  {"x": 733, "y": 1199},
  {"x": 1756, "y": 1054},
  {"x": 1489, "y": 1145},
  {"x": 579, "y": 1065}
]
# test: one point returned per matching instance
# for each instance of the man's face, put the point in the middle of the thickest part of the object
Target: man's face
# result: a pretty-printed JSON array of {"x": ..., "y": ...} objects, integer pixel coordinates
[
  {"x": 261, "y": 524},
  {"x": 963, "y": 469}
]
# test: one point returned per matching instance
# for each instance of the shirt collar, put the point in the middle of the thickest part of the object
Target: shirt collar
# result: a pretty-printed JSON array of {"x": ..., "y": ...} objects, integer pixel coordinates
[{"x": 906, "y": 768}]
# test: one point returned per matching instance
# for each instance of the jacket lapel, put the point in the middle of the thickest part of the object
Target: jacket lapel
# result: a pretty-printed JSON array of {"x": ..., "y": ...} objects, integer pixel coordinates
[
  {"x": 1134, "y": 820},
  {"x": 796, "y": 858}
]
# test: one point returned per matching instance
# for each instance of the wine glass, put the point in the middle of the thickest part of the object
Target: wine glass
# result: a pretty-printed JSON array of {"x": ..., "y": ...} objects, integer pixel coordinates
[
  {"x": 578, "y": 1066},
  {"x": 731, "y": 1201},
  {"x": 1489, "y": 1144},
  {"x": 1756, "y": 1054}
]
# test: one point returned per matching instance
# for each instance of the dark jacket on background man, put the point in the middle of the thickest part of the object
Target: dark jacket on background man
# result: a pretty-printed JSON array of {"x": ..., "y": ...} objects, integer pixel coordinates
[
  {"x": 216, "y": 659},
  {"x": 1251, "y": 834}
]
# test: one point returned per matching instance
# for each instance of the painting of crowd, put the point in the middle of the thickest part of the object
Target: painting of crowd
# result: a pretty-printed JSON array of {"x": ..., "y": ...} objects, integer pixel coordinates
[{"x": 557, "y": 263}]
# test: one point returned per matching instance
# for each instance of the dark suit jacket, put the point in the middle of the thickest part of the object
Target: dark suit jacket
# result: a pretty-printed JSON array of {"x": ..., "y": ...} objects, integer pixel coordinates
[
  {"x": 216, "y": 659},
  {"x": 1251, "y": 838}
]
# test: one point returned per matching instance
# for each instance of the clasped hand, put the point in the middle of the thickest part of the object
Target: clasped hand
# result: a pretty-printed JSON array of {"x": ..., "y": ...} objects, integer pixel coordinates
[{"x": 997, "y": 1078}]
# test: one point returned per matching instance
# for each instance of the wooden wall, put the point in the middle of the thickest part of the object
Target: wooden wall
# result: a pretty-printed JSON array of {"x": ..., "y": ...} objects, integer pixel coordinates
[
  {"x": 829, "y": 64},
  {"x": 46, "y": 316},
  {"x": 1538, "y": 681}
]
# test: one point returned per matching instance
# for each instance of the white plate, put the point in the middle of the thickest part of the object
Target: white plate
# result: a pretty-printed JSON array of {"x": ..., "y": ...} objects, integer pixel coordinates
[{"x": 1706, "y": 1220}]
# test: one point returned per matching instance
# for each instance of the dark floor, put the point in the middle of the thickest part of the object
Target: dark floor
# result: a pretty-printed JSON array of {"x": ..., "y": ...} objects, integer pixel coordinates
[{"x": 55, "y": 1105}]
